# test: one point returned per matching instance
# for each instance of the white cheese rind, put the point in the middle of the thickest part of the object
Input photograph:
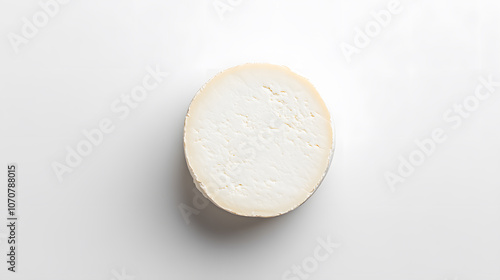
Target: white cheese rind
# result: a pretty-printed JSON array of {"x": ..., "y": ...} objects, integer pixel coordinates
[{"x": 258, "y": 140}]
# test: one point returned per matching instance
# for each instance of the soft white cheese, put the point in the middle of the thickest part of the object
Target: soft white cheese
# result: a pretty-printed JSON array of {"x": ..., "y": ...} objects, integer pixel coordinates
[{"x": 258, "y": 140}]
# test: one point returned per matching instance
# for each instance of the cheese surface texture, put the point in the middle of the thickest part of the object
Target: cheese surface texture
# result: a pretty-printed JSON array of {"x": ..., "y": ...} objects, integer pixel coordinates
[{"x": 258, "y": 140}]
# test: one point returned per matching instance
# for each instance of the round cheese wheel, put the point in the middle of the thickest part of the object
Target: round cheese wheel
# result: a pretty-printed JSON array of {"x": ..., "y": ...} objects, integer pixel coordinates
[{"x": 258, "y": 140}]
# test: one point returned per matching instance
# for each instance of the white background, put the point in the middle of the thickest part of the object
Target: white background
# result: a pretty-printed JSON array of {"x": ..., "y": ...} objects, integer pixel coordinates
[{"x": 116, "y": 215}]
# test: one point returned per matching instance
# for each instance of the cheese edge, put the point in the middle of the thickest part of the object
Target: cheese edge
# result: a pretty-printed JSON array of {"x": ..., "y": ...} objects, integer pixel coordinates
[{"x": 201, "y": 187}]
